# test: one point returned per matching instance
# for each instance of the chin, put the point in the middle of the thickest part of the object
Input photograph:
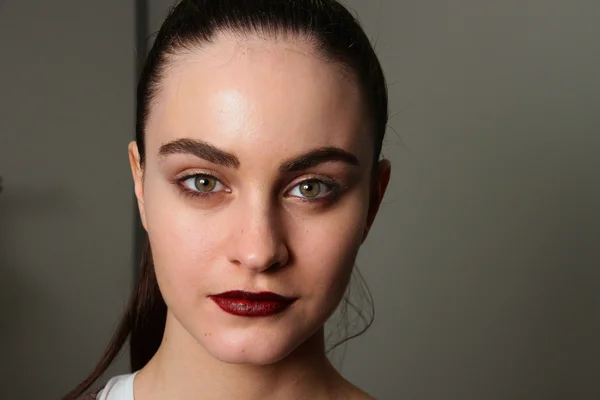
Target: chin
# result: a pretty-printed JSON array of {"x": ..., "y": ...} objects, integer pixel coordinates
[{"x": 251, "y": 346}]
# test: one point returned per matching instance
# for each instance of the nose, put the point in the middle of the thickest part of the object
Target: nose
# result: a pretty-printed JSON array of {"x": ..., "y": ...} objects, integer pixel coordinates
[{"x": 257, "y": 241}]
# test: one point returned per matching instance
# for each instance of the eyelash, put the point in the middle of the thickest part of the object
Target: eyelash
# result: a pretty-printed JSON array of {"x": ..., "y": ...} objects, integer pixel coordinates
[
  {"x": 192, "y": 193},
  {"x": 334, "y": 188}
]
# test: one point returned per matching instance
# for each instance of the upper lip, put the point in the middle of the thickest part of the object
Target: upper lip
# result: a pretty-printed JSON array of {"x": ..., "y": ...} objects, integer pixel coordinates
[{"x": 254, "y": 296}]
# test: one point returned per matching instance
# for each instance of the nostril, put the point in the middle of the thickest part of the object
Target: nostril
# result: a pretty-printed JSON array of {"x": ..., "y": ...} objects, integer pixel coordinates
[{"x": 275, "y": 266}]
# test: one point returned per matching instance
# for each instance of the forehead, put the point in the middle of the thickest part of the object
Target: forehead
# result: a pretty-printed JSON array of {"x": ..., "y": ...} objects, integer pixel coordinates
[{"x": 255, "y": 97}]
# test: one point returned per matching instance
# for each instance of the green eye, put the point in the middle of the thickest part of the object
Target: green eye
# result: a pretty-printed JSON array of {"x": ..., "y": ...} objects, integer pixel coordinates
[
  {"x": 311, "y": 189},
  {"x": 204, "y": 183}
]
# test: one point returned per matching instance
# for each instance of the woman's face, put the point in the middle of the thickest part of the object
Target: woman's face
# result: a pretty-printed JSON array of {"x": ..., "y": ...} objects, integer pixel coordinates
[{"x": 257, "y": 178}]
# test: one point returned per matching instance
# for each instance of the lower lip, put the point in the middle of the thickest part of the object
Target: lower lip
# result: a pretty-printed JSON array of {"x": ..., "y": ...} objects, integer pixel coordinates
[{"x": 249, "y": 308}]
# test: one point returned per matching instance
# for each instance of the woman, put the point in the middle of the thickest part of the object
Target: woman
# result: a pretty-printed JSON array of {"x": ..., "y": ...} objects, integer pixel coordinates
[{"x": 257, "y": 173}]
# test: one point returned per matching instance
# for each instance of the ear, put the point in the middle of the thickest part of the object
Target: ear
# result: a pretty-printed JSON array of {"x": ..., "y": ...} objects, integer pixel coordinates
[
  {"x": 381, "y": 179},
  {"x": 138, "y": 178}
]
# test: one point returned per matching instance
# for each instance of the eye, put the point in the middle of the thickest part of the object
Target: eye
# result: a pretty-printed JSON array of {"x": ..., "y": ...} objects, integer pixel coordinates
[
  {"x": 311, "y": 189},
  {"x": 202, "y": 183}
]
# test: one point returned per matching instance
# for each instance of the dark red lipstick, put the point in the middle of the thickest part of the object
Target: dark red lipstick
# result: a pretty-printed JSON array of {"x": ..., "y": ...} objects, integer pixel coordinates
[{"x": 249, "y": 304}]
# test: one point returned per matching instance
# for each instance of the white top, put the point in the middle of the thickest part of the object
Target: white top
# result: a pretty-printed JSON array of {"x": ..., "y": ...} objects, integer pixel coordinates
[{"x": 118, "y": 388}]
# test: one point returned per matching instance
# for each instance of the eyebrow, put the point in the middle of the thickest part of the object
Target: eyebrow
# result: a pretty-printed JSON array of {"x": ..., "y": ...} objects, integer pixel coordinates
[
  {"x": 210, "y": 153},
  {"x": 319, "y": 156},
  {"x": 200, "y": 149}
]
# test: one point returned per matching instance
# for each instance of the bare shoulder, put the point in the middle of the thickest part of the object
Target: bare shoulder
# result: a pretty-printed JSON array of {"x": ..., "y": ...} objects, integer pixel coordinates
[
  {"x": 352, "y": 392},
  {"x": 359, "y": 394},
  {"x": 346, "y": 390}
]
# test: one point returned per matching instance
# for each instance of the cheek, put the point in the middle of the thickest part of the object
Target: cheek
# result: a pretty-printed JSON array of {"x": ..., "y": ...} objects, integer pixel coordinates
[
  {"x": 327, "y": 249},
  {"x": 184, "y": 245}
]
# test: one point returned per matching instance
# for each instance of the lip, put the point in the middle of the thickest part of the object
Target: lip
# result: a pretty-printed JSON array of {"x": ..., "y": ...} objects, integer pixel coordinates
[{"x": 251, "y": 304}]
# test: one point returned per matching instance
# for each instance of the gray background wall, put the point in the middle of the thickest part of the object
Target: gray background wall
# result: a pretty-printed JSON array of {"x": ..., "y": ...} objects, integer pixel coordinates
[
  {"x": 66, "y": 114},
  {"x": 483, "y": 262}
]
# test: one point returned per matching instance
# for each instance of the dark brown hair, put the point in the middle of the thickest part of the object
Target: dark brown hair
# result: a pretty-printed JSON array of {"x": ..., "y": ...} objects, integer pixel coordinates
[{"x": 336, "y": 36}]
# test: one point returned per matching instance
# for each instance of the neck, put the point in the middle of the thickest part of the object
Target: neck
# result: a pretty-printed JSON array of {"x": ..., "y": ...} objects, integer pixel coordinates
[{"x": 183, "y": 370}]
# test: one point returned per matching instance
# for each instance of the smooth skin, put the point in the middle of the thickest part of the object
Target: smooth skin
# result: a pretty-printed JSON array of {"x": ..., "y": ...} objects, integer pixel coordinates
[{"x": 258, "y": 176}]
